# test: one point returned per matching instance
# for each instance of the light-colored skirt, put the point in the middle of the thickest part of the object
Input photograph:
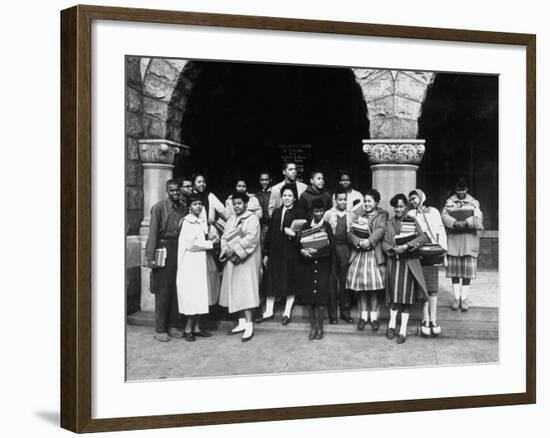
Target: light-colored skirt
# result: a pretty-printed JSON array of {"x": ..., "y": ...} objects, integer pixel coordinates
[
  {"x": 364, "y": 273},
  {"x": 461, "y": 267}
]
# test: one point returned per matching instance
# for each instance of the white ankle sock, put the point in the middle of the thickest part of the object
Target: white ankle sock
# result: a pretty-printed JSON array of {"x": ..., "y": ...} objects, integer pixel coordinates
[
  {"x": 373, "y": 316},
  {"x": 465, "y": 292},
  {"x": 269, "y": 304},
  {"x": 404, "y": 321},
  {"x": 248, "y": 329},
  {"x": 393, "y": 319},
  {"x": 365, "y": 315},
  {"x": 288, "y": 305},
  {"x": 240, "y": 325},
  {"x": 456, "y": 290}
]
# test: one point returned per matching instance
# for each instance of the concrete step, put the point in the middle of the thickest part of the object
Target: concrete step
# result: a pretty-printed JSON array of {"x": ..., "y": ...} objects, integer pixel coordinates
[{"x": 477, "y": 323}]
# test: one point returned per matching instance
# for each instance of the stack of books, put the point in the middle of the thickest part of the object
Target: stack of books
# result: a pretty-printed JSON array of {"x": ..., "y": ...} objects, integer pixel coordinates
[
  {"x": 317, "y": 240},
  {"x": 461, "y": 213},
  {"x": 234, "y": 237},
  {"x": 361, "y": 230},
  {"x": 408, "y": 233},
  {"x": 297, "y": 224},
  {"x": 160, "y": 257},
  {"x": 220, "y": 225}
]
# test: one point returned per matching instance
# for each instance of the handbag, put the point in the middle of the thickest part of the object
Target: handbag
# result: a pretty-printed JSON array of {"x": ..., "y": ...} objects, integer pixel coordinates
[{"x": 431, "y": 254}]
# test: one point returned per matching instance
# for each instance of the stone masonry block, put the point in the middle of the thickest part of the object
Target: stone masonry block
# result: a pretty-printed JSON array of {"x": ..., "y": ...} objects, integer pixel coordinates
[
  {"x": 157, "y": 88},
  {"x": 406, "y": 108},
  {"x": 134, "y": 125},
  {"x": 153, "y": 128},
  {"x": 133, "y": 100},
  {"x": 409, "y": 87},
  {"x": 382, "y": 85},
  {"x": 161, "y": 68},
  {"x": 132, "y": 149},
  {"x": 155, "y": 108},
  {"x": 133, "y": 74}
]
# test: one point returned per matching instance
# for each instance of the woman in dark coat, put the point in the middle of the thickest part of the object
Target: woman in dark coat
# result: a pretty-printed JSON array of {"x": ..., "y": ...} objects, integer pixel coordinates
[
  {"x": 315, "y": 270},
  {"x": 282, "y": 256},
  {"x": 405, "y": 284}
]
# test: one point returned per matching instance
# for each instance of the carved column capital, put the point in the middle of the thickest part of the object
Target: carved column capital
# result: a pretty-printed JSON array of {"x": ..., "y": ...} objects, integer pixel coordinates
[
  {"x": 392, "y": 151},
  {"x": 156, "y": 151}
]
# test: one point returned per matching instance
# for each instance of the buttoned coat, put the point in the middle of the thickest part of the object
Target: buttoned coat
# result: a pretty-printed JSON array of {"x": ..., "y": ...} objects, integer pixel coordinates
[{"x": 240, "y": 282}]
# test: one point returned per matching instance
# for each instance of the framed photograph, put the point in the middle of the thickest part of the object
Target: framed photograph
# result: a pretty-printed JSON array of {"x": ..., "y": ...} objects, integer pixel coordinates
[{"x": 268, "y": 218}]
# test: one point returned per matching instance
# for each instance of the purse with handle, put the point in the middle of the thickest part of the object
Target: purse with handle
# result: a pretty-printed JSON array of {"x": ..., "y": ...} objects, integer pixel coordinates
[{"x": 431, "y": 254}]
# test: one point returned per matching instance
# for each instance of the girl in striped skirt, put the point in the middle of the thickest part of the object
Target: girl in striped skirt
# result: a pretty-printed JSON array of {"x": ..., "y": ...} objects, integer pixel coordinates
[
  {"x": 367, "y": 262},
  {"x": 405, "y": 283},
  {"x": 463, "y": 243}
]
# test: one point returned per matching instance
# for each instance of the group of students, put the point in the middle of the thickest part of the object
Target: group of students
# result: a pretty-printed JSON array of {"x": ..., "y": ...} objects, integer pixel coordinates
[{"x": 258, "y": 254}]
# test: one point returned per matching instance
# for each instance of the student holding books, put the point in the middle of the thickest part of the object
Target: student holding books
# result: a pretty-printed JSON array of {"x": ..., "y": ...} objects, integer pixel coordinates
[
  {"x": 282, "y": 256},
  {"x": 430, "y": 222},
  {"x": 340, "y": 221},
  {"x": 197, "y": 278},
  {"x": 405, "y": 282},
  {"x": 367, "y": 263},
  {"x": 242, "y": 254},
  {"x": 316, "y": 241},
  {"x": 463, "y": 219},
  {"x": 162, "y": 241}
]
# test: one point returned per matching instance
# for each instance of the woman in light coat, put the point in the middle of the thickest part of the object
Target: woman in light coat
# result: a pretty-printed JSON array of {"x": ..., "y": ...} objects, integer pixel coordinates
[
  {"x": 463, "y": 243},
  {"x": 243, "y": 258},
  {"x": 431, "y": 224},
  {"x": 253, "y": 204},
  {"x": 197, "y": 280}
]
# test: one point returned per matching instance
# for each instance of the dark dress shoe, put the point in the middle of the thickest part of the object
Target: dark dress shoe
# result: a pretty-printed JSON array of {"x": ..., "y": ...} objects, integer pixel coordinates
[
  {"x": 361, "y": 324},
  {"x": 347, "y": 319},
  {"x": 312, "y": 333},
  {"x": 202, "y": 334},
  {"x": 319, "y": 333},
  {"x": 261, "y": 319},
  {"x": 189, "y": 337},
  {"x": 401, "y": 339},
  {"x": 390, "y": 334},
  {"x": 285, "y": 320},
  {"x": 333, "y": 321},
  {"x": 243, "y": 339},
  {"x": 375, "y": 325}
]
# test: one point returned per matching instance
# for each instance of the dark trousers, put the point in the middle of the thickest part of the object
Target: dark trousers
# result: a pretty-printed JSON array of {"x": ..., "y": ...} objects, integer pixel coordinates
[
  {"x": 338, "y": 294},
  {"x": 164, "y": 287}
]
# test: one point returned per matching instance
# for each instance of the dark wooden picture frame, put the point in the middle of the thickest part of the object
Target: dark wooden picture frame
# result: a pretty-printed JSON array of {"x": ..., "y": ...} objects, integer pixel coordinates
[{"x": 76, "y": 217}]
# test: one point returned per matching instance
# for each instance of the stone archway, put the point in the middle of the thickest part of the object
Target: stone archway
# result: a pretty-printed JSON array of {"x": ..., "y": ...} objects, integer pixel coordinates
[{"x": 393, "y": 100}]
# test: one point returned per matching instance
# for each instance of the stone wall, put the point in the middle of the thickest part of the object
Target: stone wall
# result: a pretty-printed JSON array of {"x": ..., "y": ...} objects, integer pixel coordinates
[{"x": 134, "y": 131}]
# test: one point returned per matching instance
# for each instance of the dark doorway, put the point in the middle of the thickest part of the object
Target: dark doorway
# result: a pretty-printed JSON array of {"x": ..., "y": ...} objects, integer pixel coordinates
[
  {"x": 239, "y": 115},
  {"x": 460, "y": 124}
]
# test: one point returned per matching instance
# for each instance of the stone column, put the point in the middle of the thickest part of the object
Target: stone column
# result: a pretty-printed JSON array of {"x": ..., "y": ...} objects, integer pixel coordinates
[
  {"x": 394, "y": 164},
  {"x": 394, "y": 101},
  {"x": 157, "y": 158}
]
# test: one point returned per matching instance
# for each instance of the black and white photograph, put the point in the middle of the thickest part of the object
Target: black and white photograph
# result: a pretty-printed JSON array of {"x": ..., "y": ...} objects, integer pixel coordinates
[{"x": 287, "y": 218}]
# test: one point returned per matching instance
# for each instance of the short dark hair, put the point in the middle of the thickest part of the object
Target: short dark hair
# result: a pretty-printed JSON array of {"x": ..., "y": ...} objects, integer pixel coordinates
[
  {"x": 396, "y": 198},
  {"x": 374, "y": 194},
  {"x": 240, "y": 195},
  {"x": 317, "y": 203},
  {"x": 266, "y": 172},
  {"x": 314, "y": 172},
  {"x": 286, "y": 163},
  {"x": 343, "y": 172},
  {"x": 193, "y": 197},
  {"x": 461, "y": 184},
  {"x": 339, "y": 191},
  {"x": 172, "y": 182},
  {"x": 196, "y": 175},
  {"x": 290, "y": 187},
  {"x": 240, "y": 179}
]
